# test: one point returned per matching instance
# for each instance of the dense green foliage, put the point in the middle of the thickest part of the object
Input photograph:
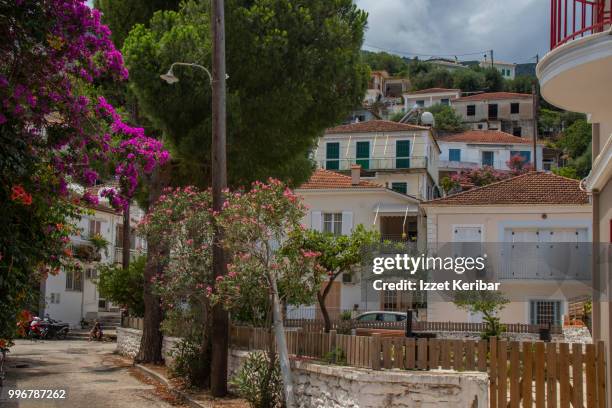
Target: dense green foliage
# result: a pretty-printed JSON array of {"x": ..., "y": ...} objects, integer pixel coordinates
[
  {"x": 487, "y": 303},
  {"x": 383, "y": 61},
  {"x": 446, "y": 119},
  {"x": 292, "y": 73},
  {"x": 259, "y": 381},
  {"x": 123, "y": 287}
]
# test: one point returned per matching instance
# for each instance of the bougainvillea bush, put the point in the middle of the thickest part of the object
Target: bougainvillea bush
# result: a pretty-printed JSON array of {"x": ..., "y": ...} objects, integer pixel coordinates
[{"x": 55, "y": 130}]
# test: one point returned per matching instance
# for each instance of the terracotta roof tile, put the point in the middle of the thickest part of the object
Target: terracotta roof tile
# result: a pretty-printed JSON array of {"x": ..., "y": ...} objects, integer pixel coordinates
[
  {"x": 493, "y": 96},
  {"x": 324, "y": 179},
  {"x": 433, "y": 90},
  {"x": 529, "y": 188},
  {"x": 375, "y": 126},
  {"x": 485, "y": 136}
]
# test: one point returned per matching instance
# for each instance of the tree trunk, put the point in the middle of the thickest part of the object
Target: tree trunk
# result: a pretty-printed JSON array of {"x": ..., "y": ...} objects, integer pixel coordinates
[
  {"x": 281, "y": 346},
  {"x": 321, "y": 296},
  {"x": 151, "y": 343},
  {"x": 125, "y": 239}
]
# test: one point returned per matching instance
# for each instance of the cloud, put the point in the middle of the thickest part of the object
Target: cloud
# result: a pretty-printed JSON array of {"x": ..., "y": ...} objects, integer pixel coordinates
[{"x": 516, "y": 30}]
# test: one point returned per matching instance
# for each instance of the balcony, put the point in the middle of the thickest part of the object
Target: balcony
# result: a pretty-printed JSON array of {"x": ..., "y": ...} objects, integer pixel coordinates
[
  {"x": 375, "y": 163},
  {"x": 118, "y": 252},
  {"x": 575, "y": 74}
]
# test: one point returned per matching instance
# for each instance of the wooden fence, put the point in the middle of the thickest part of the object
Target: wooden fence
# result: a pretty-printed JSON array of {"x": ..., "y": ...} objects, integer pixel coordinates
[
  {"x": 522, "y": 374},
  {"x": 317, "y": 325}
]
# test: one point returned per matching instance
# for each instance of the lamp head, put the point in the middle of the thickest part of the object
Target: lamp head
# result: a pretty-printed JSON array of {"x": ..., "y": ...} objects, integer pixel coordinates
[{"x": 169, "y": 77}]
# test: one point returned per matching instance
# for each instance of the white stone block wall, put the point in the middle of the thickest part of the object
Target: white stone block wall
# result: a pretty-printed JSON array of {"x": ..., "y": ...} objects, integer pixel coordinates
[{"x": 128, "y": 343}]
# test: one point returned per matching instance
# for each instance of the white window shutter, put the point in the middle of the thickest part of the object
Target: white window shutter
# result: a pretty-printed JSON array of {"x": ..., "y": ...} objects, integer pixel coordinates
[
  {"x": 316, "y": 221},
  {"x": 347, "y": 222}
]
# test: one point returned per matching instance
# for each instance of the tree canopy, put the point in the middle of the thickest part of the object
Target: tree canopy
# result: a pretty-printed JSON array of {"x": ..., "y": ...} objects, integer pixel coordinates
[{"x": 292, "y": 73}]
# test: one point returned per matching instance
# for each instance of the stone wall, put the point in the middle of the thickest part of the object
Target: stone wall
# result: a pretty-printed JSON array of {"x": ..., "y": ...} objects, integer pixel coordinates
[
  {"x": 128, "y": 343},
  {"x": 330, "y": 386}
]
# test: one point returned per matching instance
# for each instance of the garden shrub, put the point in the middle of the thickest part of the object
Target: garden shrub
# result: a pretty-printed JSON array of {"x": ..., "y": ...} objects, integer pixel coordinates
[{"x": 259, "y": 382}]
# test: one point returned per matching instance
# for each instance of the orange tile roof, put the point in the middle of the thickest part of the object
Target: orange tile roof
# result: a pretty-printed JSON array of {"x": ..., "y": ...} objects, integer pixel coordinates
[
  {"x": 433, "y": 90},
  {"x": 324, "y": 179},
  {"x": 493, "y": 96},
  {"x": 375, "y": 126},
  {"x": 485, "y": 136},
  {"x": 529, "y": 188}
]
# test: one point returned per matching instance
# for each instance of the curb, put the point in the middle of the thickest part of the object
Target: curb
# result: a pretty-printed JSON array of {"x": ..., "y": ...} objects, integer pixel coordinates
[{"x": 186, "y": 398}]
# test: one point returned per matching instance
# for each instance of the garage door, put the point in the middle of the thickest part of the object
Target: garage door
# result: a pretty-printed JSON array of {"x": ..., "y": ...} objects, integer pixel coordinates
[{"x": 546, "y": 253}]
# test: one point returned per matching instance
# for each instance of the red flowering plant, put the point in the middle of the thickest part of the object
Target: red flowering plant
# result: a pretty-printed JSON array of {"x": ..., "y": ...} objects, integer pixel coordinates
[
  {"x": 181, "y": 222},
  {"x": 258, "y": 226}
]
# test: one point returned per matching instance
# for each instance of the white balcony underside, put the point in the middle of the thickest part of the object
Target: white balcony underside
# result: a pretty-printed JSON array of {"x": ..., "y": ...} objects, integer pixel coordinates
[{"x": 577, "y": 76}]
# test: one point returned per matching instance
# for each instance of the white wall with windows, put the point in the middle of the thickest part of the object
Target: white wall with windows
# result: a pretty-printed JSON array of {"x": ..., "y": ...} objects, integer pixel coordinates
[{"x": 459, "y": 154}]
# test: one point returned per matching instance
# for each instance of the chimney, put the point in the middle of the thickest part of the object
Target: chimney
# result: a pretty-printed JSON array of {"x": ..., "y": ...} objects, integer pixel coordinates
[{"x": 355, "y": 174}]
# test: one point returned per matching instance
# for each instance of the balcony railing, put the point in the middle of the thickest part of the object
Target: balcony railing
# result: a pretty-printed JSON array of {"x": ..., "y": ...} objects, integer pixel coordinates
[
  {"x": 133, "y": 254},
  {"x": 571, "y": 19},
  {"x": 375, "y": 163}
]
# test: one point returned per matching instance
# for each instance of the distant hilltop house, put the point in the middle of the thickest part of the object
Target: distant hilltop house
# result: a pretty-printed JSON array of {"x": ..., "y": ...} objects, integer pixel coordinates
[
  {"x": 72, "y": 296},
  {"x": 506, "y": 111},
  {"x": 507, "y": 69},
  {"x": 425, "y": 98},
  {"x": 447, "y": 63}
]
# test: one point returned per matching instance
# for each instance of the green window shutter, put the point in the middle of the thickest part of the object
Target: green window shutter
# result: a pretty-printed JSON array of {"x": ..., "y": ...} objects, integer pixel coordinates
[
  {"x": 402, "y": 154},
  {"x": 332, "y": 154},
  {"x": 363, "y": 154},
  {"x": 400, "y": 187}
]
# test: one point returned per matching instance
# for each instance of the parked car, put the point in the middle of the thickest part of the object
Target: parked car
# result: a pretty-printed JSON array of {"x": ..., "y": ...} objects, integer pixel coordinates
[{"x": 384, "y": 322}]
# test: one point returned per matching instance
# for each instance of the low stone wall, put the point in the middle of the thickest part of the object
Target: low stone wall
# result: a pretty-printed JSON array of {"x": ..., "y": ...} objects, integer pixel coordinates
[
  {"x": 331, "y": 386},
  {"x": 571, "y": 334},
  {"x": 128, "y": 343}
]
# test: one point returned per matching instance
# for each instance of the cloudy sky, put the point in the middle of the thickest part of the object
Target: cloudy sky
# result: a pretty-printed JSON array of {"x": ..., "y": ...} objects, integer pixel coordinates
[{"x": 516, "y": 30}]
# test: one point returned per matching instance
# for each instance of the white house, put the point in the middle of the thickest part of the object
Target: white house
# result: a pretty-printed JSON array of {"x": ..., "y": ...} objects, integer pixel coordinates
[
  {"x": 71, "y": 296},
  {"x": 535, "y": 229},
  {"x": 399, "y": 156},
  {"x": 429, "y": 97},
  {"x": 336, "y": 204},
  {"x": 507, "y": 69},
  {"x": 478, "y": 148}
]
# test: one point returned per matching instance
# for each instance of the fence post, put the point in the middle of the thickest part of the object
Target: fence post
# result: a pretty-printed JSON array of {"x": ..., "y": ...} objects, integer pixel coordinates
[
  {"x": 375, "y": 351},
  {"x": 332, "y": 344}
]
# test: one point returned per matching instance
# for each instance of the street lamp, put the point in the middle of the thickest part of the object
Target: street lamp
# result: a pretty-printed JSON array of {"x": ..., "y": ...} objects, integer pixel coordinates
[{"x": 170, "y": 78}]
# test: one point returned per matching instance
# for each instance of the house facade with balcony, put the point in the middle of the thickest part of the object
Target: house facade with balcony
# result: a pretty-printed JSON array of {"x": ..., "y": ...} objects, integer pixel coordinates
[
  {"x": 479, "y": 148},
  {"x": 506, "y": 69},
  {"x": 575, "y": 75},
  {"x": 337, "y": 203},
  {"x": 506, "y": 111},
  {"x": 71, "y": 296},
  {"x": 399, "y": 156},
  {"x": 429, "y": 97},
  {"x": 535, "y": 230}
]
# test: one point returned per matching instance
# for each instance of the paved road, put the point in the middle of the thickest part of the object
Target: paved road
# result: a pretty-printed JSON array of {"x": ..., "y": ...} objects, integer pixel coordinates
[{"x": 91, "y": 375}]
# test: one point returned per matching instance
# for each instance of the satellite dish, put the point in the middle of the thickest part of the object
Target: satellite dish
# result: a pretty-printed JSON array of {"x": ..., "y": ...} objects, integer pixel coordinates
[{"x": 427, "y": 119}]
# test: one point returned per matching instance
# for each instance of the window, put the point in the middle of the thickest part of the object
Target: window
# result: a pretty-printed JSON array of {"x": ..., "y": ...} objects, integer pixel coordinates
[
  {"x": 471, "y": 110},
  {"x": 523, "y": 154},
  {"x": 400, "y": 187},
  {"x": 402, "y": 154},
  {"x": 361, "y": 118},
  {"x": 454, "y": 155},
  {"x": 545, "y": 312},
  {"x": 492, "y": 111},
  {"x": 420, "y": 103},
  {"x": 480, "y": 126},
  {"x": 514, "y": 107},
  {"x": 332, "y": 223},
  {"x": 332, "y": 156},
  {"x": 54, "y": 298},
  {"x": 389, "y": 300},
  {"x": 363, "y": 154},
  {"x": 370, "y": 317},
  {"x": 517, "y": 131},
  {"x": 95, "y": 227},
  {"x": 488, "y": 158},
  {"x": 74, "y": 281},
  {"x": 445, "y": 101}
]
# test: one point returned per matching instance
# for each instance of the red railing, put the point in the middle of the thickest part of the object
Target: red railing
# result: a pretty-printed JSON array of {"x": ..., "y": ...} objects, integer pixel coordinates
[{"x": 571, "y": 19}]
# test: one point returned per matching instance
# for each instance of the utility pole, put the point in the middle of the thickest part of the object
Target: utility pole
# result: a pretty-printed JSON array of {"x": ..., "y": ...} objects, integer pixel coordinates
[
  {"x": 220, "y": 322},
  {"x": 492, "y": 64},
  {"x": 534, "y": 94}
]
